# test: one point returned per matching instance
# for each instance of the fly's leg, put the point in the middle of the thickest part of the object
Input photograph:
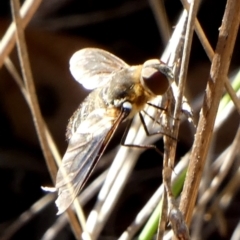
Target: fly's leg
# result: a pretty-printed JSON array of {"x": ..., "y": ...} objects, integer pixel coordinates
[
  {"x": 159, "y": 123},
  {"x": 154, "y": 133},
  {"x": 163, "y": 109},
  {"x": 137, "y": 145},
  {"x": 157, "y": 107}
]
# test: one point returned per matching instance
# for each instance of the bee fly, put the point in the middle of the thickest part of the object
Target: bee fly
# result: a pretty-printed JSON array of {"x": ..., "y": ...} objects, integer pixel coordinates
[{"x": 120, "y": 92}]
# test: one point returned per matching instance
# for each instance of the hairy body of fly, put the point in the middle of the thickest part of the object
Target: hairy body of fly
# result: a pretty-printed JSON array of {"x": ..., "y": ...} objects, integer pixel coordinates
[{"x": 120, "y": 91}]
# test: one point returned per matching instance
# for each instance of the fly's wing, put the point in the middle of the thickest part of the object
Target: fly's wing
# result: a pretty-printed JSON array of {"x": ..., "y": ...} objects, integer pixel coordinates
[
  {"x": 93, "y": 67},
  {"x": 84, "y": 150}
]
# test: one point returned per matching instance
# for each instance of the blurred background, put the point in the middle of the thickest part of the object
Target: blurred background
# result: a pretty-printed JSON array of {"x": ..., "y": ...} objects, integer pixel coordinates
[{"x": 128, "y": 29}]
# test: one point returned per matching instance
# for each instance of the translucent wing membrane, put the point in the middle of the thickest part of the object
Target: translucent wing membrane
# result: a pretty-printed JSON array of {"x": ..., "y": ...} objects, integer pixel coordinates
[
  {"x": 94, "y": 67},
  {"x": 84, "y": 150}
]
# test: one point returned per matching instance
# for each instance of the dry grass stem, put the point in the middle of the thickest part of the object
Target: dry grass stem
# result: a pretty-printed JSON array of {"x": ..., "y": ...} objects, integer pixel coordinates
[
  {"x": 171, "y": 144},
  {"x": 16, "y": 76},
  {"x": 18, "y": 79},
  {"x": 8, "y": 41},
  {"x": 182, "y": 77},
  {"x": 34, "y": 106},
  {"x": 218, "y": 73},
  {"x": 210, "y": 53},
  {"x": 29, "y": 84}
]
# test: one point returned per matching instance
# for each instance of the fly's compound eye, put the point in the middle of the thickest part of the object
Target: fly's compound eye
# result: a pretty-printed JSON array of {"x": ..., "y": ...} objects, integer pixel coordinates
[{"x": 154, "y": 77}]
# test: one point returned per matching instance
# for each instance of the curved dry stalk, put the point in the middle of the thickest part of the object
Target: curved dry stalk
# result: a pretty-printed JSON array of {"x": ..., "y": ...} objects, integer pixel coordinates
[
  {"x": 33, "y": 103},
  {"x": 218, "y": 73},
  {"x": 30, "y": 88},
  {"x": 7, "y": 43},
  {"x": 16, "y": 76}
]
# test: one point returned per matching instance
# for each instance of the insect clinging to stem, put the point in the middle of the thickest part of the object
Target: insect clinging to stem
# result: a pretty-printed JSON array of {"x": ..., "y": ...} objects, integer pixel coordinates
[{"x": 119, "y": 92}]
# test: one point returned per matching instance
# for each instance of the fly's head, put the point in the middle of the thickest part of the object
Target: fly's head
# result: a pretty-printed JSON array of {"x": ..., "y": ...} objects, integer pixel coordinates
[{"x": 156, "y": 76}]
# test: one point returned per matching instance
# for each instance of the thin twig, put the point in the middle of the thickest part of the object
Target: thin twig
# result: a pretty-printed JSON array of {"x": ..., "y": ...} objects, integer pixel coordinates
[
  {"x": 218, "y": 73},
  {"x": 8, "y": 41},
  {"x": 18, "y": 79},
  {"x": 185, "y": 60},
  {"x": 175, "y": 216},
  {"x": 210, "y": 53},
  {"x": 16, "y": 76},
  {"x": 34, "y": 106},
  {"x": 28, "y": 80}
]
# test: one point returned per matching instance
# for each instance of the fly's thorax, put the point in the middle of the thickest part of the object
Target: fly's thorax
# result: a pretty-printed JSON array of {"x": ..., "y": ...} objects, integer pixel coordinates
[{"x": 125, "y": 86}]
